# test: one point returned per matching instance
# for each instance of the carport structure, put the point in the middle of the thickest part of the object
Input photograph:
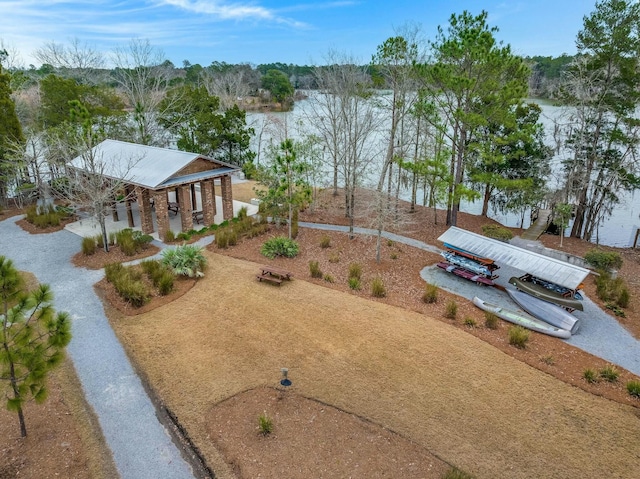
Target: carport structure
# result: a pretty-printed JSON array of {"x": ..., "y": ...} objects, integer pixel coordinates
[{"x": 150, "y": 175}]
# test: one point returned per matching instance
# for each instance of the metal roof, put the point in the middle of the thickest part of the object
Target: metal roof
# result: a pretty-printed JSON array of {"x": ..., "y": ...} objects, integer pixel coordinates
[
  {"x": 147, "y": 166},
  {"x": 544, "y": 267}
]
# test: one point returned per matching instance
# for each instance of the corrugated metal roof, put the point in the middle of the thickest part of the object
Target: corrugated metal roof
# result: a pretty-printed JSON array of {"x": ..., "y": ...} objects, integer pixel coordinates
[
  {"x": 142, "y": 165},
  {"x": 544, "y": 267}
]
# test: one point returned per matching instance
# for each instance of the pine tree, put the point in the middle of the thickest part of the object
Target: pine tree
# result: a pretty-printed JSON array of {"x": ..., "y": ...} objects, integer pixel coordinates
[
  {"x": 10, "y": 129},
  {"x": 32, "y": 339}
]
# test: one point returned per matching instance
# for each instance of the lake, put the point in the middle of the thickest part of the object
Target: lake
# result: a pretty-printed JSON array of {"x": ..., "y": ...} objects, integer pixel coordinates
[{"x": 618, "y": 230}]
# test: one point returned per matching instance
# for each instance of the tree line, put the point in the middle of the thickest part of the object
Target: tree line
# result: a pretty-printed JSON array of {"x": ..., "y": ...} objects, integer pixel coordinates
[{"x": 452, "y": 114}]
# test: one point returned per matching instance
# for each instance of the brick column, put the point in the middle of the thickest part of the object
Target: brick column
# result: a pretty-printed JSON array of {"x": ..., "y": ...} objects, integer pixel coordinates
[
  {"x": 162, "y": 213},
  {"x": 208, "y": 202},
  {"x": 227, "y": 198},
  {"x": 184, "y": 192},
  {"x": 146, "y": 220},
  {"x": 128, "y": 192}
]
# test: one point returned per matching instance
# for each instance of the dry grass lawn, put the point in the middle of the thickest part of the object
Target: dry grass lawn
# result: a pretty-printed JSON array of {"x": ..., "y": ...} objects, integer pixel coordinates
[{"x": 449, "y": 392}]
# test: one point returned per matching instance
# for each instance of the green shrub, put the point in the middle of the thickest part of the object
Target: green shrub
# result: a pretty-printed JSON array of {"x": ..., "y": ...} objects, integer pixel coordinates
[
  {"x": 548, "y": 360},
  {"x": 232, "y": 238},
  {"x": 497, "y": 232},
  {"x": 88, "y": 246},
  {"x": 451, "y": 309},
  {"x": 334, "y": 258},
  {"x": 605, "y": 260},
  {"x": 633, "y": 388},
  {"x": 222, "y": 238},
  {"x": 394, "y": 256},
  {"x": 355, "y": 270},
  {"x": 127, "y": 245},
  {"x": 46, "y": 217},
  {"x": 623, "y": 297},
  {"x": 112, "y": 271},
  {"x": 329, "y": 279},
  {"x": 186, "y": 260},
  {"x": 314, "y": 269},
  {"x": 610, "y": 373},
  {"x": 389, "y": 243},
  {"x": 590, "y": 376},
  {"x": 265, "y": 424},
  {"x": 169, "y": 236},
  {"x": 354, "y": 283},
  {"x": 518, "y": 337},
  {"x": 455, "y": 473},
  {"x": 490, "y": 320},
  {"x": 242, "y": 213},
  {"x": 182, "y": 236},
  {"x": 377, "y": 288},
  {"x": 325, "y": 242},
  {"x": 112, "y": 238},
  {"x": 279, "y": 246},
  {"x": 164, "y": 282},
  {"x": 430, "y": 294}
]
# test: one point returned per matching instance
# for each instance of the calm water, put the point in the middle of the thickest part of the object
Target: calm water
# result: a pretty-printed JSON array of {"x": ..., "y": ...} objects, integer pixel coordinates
[{"x": 618, "y": 230}]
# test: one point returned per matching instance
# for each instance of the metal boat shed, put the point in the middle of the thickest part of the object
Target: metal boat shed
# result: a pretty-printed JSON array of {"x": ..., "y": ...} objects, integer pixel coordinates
[{"x": 544, "y": 267}]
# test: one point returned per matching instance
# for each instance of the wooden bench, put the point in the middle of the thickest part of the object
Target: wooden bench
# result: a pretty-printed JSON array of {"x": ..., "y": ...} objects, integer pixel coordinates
[
  {"x": 172, "y": 206},
  {"x": 274, "y": 275},
  {"x": 268, "y": 277}
]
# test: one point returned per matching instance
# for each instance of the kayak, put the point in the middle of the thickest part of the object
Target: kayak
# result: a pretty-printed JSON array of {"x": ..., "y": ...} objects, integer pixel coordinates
[
  {"x": 522, "y": 319},
  {"x": 545, "y": 311},
  {"x": 463, "y": 273},
  {"x": 546, "y": 294}
]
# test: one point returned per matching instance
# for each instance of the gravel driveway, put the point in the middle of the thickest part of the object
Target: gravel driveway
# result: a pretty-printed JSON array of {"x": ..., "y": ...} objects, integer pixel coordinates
[{"x": 141, "y": 446}]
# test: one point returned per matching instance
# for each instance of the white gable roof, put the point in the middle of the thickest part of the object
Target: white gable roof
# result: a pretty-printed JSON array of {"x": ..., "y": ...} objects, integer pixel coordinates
[
  {"x": 544, "y": 267},
  {"x": 142, "y": 165}
]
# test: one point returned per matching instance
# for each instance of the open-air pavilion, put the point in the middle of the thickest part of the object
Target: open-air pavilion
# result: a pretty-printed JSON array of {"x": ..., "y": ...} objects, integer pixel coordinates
[{"x": 161, "y": 185}]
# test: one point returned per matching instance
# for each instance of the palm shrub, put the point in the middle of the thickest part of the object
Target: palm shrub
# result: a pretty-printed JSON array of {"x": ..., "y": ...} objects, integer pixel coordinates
[
  {"x": 377, "y": 288},
  {"x": 518, "y": 337},
  {"x": 314, "y": 269},
  {"x": 430, "y": 294},
  {"x": 185, "y": 260},
  {"x": 279, "y": 246}
]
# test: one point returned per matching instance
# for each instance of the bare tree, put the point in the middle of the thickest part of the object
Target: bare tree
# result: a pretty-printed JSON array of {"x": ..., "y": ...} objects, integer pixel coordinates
[
  {"x": 78, "y": 58},
  {"x": 143, "y": 75},
  {"x": 345, "y": 119},
  {"x": 229, "y": 85}
]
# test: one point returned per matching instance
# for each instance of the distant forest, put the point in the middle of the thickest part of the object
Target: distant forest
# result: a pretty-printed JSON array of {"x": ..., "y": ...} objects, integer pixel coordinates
[{"x": 545, "y": 76}]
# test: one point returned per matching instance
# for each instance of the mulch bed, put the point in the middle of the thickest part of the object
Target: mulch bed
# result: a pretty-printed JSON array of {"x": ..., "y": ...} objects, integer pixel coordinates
[{"x": 101, "y": 258}]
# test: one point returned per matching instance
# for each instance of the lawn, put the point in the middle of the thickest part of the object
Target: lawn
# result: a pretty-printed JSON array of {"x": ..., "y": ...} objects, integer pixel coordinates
[{"x": 448, "y": 392}]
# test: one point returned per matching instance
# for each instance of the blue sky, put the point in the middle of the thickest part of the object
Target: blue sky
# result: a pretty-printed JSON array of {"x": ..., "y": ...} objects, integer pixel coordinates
[{"x": 265, "y": 31}]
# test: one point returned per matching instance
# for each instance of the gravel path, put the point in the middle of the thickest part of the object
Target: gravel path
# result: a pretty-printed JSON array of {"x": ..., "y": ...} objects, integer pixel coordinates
[
  {"x": 141, "y": 446},
  {"x": 600, "y": 334}
]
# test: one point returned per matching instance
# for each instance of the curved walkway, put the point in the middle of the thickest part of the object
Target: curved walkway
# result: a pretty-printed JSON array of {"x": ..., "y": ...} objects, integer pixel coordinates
[
  {"x": 141, "y": 446},
  {"x": 600, "y": 334}
]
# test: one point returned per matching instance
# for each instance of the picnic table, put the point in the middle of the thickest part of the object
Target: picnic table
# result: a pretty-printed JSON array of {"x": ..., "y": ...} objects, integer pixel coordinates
[
  {"x": 198, "y": 217},
  {"x": 173, "y": 206},
  {"x": 274, "y": 275}
]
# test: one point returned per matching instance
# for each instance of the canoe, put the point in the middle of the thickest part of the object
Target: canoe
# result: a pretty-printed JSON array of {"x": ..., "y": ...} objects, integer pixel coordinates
[
  {"x": 463, "y": 273},
  {"x": 545, "y": 311},
  {"x": 546, "y": 294},
  {"x": 466, "y": 263},
  {"x": 556, "y": 287},
  {"x": 522, "y": 319},
  {"x": 470, "y": 255}
]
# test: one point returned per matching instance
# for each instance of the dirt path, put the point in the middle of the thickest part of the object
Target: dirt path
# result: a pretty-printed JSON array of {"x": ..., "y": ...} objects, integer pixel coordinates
[{"x": 448, "y": 391}]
